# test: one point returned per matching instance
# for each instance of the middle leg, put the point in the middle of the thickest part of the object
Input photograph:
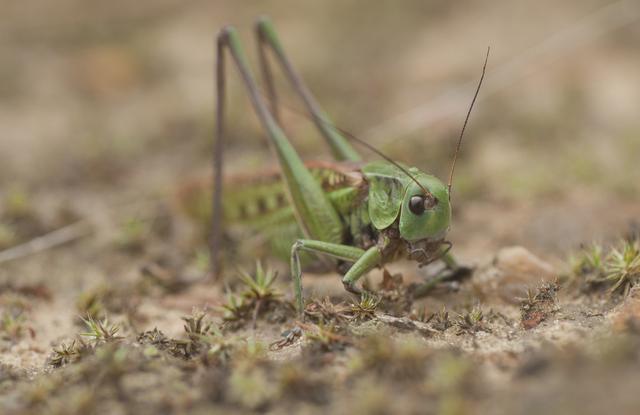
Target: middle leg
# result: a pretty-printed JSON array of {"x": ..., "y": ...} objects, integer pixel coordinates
[{"x": 364, "y": 261}]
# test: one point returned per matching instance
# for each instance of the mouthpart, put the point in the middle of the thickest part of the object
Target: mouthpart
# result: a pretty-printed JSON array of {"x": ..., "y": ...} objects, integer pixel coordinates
[{"x": 426, "y": 251}]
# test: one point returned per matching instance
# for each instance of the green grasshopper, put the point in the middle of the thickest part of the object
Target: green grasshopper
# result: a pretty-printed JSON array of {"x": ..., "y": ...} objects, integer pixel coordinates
[{"x": 362, "y": 215}]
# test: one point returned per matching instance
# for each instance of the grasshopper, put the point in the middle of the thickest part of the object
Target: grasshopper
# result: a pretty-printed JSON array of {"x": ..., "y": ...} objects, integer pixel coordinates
[{"x": 361, "y": 215}]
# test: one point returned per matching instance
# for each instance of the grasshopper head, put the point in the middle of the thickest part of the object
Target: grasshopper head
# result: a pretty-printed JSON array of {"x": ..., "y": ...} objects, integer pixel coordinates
[{"x": 425, "y": 217}]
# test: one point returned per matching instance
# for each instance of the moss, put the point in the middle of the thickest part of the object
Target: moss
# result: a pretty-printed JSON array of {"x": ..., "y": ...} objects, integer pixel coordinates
[
  {"x": 538, "y": 305},
  {"x": 101, "y": 331},
  {"x": 67, "y": 353},
  {"x": 258, "y": 297},
  {"x": 617, "y": 270},
  {"x": 365, "y": 309},
  {"x": 622, "y": 267},
  {"x": 326, "y": 312},
  {"x": 14, "y": 326},
  {"x": 440, "y": 320},
  {"x": 471, "y": 321},
  {"x": 400, "y": 361}
]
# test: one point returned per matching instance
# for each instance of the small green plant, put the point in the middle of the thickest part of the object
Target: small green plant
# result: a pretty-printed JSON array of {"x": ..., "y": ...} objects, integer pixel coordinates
[
  {"x": 619, "y": 269},
  {"x": 538, "y": 304},
  {"x": 324, "y": 311},
  {"x": 258, "y": 296},
  {"x": 544, "y": 293},
  {"x": 260, "y": 284},
  {"x": 197, "y": 328},
  {"x": 440, "y": 320},
  {"x": 588, "y": 261},
  {"x": 203, "y": 339},
  {"x": 235, "y": 309},
  {"x": 100, "y": 331},
  {"x": 154, "y": 338},
  {"x": 13, "y": 325},
  {"x": 471, "y": 321},
  {"x": 366, "y": 307},
  {"x": 68, "y": 353},
  {"x": 622, "y": 267}
]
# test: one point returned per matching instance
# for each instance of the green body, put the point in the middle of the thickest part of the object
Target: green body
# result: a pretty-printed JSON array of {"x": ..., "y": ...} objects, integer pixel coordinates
[{"x": 362, "y": 214}]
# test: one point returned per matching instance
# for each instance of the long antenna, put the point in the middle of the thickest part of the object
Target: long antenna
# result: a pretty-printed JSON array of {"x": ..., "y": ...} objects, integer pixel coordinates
[
  {"x": 378, "y": 152},
  {"x": 466, "y": 120},
  {"x": 359, "y": 141}
]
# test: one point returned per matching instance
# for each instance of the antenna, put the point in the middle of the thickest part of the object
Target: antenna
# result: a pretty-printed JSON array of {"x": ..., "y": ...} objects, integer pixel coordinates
[
  {"x": 378, "y": 152},
  {"x": 466, "y": 120},
  {"x": 361, "y": 142}
]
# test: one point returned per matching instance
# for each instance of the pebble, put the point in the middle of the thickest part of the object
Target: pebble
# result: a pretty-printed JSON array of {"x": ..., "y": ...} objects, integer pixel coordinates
[{"x": 513, "y": 270}]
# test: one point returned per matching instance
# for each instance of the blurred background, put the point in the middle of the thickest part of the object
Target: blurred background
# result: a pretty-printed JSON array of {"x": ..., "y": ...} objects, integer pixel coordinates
[{"x": 108, "y": 104}]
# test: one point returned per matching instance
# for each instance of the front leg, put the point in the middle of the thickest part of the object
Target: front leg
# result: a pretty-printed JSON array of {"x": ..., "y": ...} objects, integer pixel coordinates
[
  {"x": 453, "y": 271},
  {"x": 364, "y": 261},
  {"x": 368, "y": 261}
]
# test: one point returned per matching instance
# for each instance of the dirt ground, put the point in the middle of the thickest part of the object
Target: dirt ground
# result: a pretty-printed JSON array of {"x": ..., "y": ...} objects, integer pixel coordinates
[{"x": 106, "y": 113}]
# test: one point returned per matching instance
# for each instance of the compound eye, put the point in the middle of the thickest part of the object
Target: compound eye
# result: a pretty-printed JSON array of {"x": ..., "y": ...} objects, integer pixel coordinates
[{"x": 416, "y": 205}]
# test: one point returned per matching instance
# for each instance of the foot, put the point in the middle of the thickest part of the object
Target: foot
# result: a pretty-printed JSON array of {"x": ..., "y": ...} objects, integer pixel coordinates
[
  {"x": 351, "y": 287},
  {"x": 446, "y": 275}
]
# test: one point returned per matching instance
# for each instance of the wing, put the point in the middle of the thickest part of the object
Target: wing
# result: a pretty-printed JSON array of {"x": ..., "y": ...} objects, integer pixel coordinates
[{"x": 387, "y": 185}]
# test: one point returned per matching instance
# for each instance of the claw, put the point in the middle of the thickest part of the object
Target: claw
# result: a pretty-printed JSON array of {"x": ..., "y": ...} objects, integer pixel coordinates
[
  {"x": 447, "y": 275},
  {"x": 351, "y": 287}
]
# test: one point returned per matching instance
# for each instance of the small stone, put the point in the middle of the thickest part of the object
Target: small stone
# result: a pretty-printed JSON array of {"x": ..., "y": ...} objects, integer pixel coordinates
[{"x": 513, "y": 270}]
